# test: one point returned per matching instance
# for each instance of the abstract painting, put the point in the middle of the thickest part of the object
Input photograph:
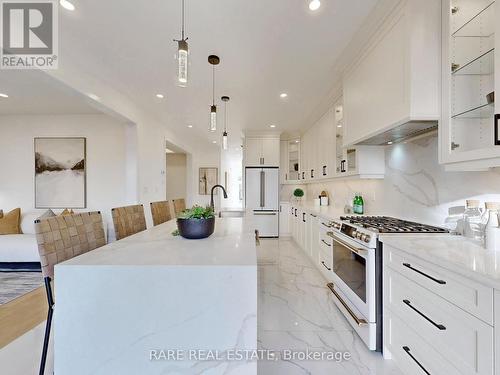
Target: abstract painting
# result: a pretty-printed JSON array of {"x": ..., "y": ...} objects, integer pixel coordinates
[
  {"x": 60, "y": 173},
  {"x": 208, "y": 178}
]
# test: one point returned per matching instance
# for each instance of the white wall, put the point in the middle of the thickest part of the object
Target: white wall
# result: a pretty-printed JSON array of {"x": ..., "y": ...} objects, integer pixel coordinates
[
  {"x": 176, "y": 175},
  {"x": 107, "y": 182},
  {"x": 415, "y": 187}
]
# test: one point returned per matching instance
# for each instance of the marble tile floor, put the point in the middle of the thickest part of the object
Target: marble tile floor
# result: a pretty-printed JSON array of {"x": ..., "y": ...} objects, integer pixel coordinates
[{"x": 297, "y": 312}]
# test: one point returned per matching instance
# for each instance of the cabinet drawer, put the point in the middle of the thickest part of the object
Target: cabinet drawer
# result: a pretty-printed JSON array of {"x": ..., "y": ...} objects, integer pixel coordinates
[
  {"x": 325, "y": 262},
  {"x": 464, "y": 340},
  {"x": 470, "y": 296},
  {"x": 411, "y": 353}
]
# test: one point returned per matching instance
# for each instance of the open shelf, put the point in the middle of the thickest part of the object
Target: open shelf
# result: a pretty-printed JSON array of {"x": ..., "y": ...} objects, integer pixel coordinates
[
  {"x": 483, "y": 111},
  {"x": 482, "y": 65},
  {"x": 480, "y": 25}
]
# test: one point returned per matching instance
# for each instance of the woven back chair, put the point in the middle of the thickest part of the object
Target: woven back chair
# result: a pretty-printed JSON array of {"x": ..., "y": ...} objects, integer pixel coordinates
[
  {"x": 128, "y": 220},
  {"x": 60, "y": 238},
  {"x": 160, "y": 211},
  {"x": 179, "y": 205}
]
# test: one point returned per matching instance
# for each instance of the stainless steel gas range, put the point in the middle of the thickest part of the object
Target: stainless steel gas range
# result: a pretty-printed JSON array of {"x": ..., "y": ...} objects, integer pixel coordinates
[{"x": 357, "y": 269}]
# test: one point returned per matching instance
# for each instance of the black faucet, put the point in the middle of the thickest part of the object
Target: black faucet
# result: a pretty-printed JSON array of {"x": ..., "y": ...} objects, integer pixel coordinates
[{"x": 212, "y": 195}]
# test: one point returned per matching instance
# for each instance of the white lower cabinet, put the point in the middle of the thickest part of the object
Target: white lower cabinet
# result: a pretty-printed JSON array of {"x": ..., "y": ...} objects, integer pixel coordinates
[
  {"x": 426, "y": 327},
  {"x": 284, "y": 228}
]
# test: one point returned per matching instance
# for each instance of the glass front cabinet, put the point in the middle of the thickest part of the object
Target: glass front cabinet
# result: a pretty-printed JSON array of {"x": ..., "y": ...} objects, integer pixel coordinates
[{"x": 469, "y": 127}]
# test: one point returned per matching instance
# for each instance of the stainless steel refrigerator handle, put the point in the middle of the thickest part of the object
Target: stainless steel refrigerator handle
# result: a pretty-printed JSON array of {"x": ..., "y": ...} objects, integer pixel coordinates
[
  {"x": 264, "y": 213},
  {"x": 262, "y": 189}
]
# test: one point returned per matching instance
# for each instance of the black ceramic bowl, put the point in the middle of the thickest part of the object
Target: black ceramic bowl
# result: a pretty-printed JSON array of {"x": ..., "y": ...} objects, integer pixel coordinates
[{"x": 194, "y": 229}]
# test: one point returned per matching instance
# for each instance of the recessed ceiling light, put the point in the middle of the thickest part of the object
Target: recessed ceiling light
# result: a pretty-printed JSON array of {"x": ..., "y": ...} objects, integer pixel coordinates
[
  {"x": 339, "y": 126},
  {"x": 160, "y": 96},
  {"x": 272, "y": 126},
  {"x": 389, "y": 143},
  {"x": 190, "y": 126},
  {"x": 93, "y": 96},
  {"x": 67, "y": 5},
  {"x": 214, "y": 141},
  {"x": 283, "y": 95},
  {"x": 296, "y": 141},
  {"x": 314, "y": 5},
  {"x": 2, "y": 95}
]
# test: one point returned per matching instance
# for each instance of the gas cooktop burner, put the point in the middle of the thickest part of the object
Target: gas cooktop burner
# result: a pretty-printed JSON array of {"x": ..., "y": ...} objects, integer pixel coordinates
[{"x": 385, "y": 224}]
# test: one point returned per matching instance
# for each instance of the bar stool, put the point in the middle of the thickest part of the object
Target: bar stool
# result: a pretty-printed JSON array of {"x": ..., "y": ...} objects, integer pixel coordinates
[
  {"x": 60, "y": 238},
  {"x": 160, "y": 211},
  {"x": 128, "y": 220},
  {"x": 179, "y": 205}
]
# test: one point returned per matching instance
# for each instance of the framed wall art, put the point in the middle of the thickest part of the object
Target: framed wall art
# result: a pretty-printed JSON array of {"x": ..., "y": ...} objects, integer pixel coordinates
[{"x": 60, "y": 173}]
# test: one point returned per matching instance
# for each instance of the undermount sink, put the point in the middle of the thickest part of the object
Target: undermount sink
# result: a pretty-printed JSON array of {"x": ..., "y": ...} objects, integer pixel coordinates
[{"x": 232, "y": 213}]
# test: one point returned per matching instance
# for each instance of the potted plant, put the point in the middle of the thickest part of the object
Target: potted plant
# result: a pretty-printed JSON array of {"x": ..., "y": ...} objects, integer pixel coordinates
[
  {"x": 298, "y": 193},
  {"x": 196, "y": 222}
]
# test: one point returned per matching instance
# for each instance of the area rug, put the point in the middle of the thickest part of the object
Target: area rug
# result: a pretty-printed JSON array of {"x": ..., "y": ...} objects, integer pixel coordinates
[{"x": 16, "y": 284}]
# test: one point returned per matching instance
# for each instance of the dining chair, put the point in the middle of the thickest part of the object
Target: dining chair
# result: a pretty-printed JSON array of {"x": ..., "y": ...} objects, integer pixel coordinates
[
  {"x": 160, "y": 211},
  {"x": 179, "y": 205},
  {"x": 128, "y": 220},
  {"x": 60, "y": 238}
]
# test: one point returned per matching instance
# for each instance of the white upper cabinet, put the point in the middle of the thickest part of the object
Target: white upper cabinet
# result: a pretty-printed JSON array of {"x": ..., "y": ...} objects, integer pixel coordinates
[
  {"x": 262, "y": 152},
  {"x": 471, "y": 48},
  {"x": 396, "y": 79},
  {"x": 289, "y": 161}
]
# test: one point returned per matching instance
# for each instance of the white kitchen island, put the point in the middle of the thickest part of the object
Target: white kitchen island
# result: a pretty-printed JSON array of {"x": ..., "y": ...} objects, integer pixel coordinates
[{"x": 157, "y": 304}]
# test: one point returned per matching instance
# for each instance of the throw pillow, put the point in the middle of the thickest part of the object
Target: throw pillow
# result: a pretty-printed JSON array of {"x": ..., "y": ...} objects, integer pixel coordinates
[
  {"x": 10, "y": 222},
  {"x": 47, "y": 214}
]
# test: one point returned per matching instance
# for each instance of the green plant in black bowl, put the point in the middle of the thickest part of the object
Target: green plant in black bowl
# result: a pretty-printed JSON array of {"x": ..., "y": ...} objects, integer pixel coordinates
[{"x": 196, "y": 222}]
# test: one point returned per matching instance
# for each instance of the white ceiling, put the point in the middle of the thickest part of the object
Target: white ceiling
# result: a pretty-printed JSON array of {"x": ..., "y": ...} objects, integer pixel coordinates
[
  {"x": 32, "y": 92},
  {"x": 266, "y": 47}
]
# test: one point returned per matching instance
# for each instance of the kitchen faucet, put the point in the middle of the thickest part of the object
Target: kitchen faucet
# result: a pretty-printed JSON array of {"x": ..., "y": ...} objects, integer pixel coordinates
[{"x": 212, "y": 195}]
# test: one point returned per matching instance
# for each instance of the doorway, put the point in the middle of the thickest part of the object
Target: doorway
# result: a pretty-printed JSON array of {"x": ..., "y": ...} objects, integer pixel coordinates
[{"x": 175, "y": 173}]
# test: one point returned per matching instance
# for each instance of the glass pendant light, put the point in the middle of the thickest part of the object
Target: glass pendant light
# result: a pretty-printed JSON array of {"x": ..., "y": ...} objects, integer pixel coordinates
[
  {"x": 182, "y": 56},
  {"x": 225, "y": 99},
  {"x": 213, "y": 60}
]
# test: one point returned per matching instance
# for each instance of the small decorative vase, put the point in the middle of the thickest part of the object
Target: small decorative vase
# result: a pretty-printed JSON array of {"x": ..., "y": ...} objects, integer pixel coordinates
[{"x": 195, "y": 229}]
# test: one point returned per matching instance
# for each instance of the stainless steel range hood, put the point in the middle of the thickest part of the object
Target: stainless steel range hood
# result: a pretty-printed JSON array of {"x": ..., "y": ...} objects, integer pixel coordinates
[{"x": 401, "y": 133}]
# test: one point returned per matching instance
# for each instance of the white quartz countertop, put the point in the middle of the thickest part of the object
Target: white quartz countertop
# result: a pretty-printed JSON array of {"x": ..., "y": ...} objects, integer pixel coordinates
[
  {"x": 454, "y": 253},
  {"x": 232, "y": 244},
  {"x": 326, "y": 212}
]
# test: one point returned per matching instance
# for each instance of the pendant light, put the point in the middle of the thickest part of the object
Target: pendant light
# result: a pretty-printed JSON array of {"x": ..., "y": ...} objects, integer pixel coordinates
[
  {"x": 182, "y": 56},
  {"x": 225, "y": 99},
  {"x": 213, "y": 60}
]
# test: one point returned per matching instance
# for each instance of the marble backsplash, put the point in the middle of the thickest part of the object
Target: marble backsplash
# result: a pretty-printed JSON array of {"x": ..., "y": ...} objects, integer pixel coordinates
[{"x": 415, "y": 187}]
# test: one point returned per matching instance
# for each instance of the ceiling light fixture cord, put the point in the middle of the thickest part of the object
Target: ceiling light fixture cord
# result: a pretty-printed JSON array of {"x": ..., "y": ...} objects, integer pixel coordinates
[
  {"x": 225, "y": 117},
  {"x": 213, "y": 84},
  {"x": 182, "y": 31}
]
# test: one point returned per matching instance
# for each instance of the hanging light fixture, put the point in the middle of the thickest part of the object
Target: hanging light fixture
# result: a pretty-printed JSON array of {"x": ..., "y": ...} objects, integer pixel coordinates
[
  {"x": 213, "y": 60},
  {"x": 225, "y": 99},
  {"x": 182, "y": 56}
]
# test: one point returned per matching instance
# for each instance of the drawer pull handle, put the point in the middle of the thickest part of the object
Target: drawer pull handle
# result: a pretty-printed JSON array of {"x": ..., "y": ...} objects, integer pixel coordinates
[
  {"x": 326, "y": 243},
  {"x": 408, "y": 265},
  {"x": 438, "y": 326},
  {"x": 407, "y": 350},
  {"x": 323, "y": 263},
  {"x": 359, "y": 321}
]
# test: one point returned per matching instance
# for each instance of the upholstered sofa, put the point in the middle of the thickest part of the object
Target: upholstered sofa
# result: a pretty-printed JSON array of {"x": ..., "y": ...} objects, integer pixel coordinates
[{"x": 21, "y": 248}]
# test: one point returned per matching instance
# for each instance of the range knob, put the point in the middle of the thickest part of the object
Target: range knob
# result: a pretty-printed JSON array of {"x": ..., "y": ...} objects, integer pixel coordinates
[
  {"x": 364, "y": 237},
  {"x": 336, "y": 225},
  {"x": 359, "y": 235},
  {"x": 354, "y": 234},
  {"x": 367, "y": 238}
]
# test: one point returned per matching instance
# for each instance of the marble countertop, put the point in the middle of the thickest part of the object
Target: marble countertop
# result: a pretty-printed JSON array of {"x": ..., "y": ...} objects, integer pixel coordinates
[
  {"x": 232, "y": 244},
  {"x": 327, "y": 212},
  {"x": 454, "y": 253}
]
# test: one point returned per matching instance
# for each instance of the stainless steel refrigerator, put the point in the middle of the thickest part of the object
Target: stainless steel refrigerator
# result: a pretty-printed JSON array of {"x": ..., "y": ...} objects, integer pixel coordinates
[{"x": 262, "y": 198}]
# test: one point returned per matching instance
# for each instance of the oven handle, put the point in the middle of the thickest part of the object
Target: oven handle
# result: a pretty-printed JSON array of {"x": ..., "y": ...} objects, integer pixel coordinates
[
  {"x": 359, "y": 322},
  {"x": 356, "y": 250}
]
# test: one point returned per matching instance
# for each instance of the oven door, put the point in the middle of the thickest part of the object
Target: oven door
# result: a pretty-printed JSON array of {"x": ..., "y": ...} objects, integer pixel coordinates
[{"x": 354, "y": 274}]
